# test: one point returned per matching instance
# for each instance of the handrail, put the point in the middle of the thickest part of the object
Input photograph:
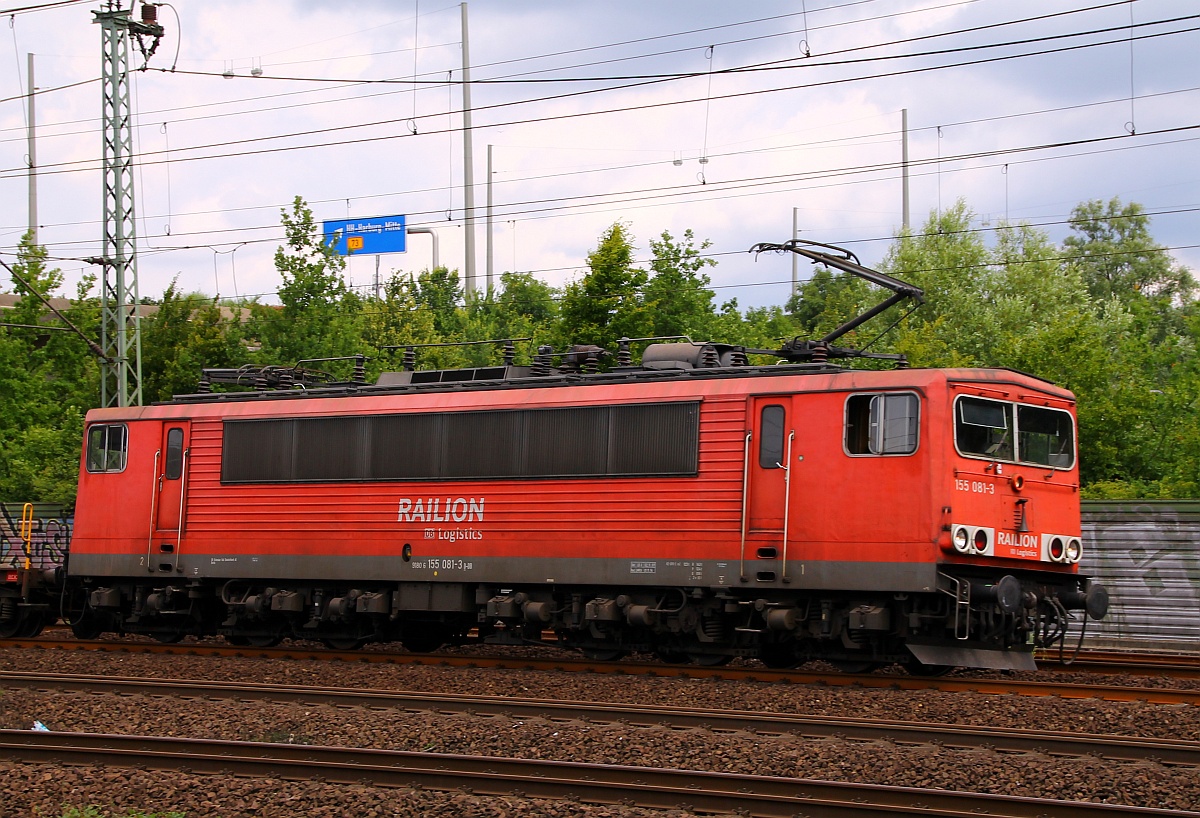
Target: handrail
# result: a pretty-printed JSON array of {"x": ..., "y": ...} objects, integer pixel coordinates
[
  {"x": 787, "y": 502},
  {"x": 182, "y": 495},
  {"x": 745, "y": 500},
  {"x": 155, "y": 490},
  {"x": 27, "y": 533}
]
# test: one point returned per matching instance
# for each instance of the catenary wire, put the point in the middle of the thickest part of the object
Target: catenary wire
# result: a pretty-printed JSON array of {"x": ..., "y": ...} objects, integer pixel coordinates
[
  {"x": 66, "y": 166},
  {"x": 641, "y": 197},
  {"x": 638, "y": 165}
]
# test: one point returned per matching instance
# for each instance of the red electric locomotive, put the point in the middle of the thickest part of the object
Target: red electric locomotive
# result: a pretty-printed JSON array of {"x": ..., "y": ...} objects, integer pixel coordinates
[{"x": 694, "y": 506}]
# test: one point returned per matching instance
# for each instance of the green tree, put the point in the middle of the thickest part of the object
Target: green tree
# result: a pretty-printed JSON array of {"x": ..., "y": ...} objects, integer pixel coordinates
[
  {"x": 188, "y": 333},
  {"x": 396, "y": 319},
  {"x": 523, "y": 308},
  {"x": 949, "y": 261},
  {"x": 438, "y": 291},
  {"x": 677, "y": 299},
  {"x": 48, "y": 380},
  {"x": 827, "y": 300},
  {"x": 606, "y": 303},
  {"x": 1118, "y": 258},
  {"x": 1150, "y": 401},
  {"x": 1018, "y": 304},
  {"x": 320, "y": 315}
]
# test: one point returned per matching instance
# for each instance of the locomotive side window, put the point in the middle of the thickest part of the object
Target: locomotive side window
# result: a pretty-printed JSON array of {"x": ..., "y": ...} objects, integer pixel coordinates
[
  {"x": 770, "y": 444},
  {"x": 998, "y": 430},
  {"x": 1045, "y": 437},
  {"x": 173, "y": 468},
  {"x": 882, "y": 424},
  {"x": 585, "y": 441},
  {"x": 107, "y": 447}
]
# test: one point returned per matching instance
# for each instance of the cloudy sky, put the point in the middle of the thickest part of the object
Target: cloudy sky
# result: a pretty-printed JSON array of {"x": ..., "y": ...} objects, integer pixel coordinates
[{"x": 733, "y": 120}]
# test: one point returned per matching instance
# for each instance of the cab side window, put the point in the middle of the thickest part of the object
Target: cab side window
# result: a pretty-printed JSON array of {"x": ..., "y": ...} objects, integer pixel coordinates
[
  {"x": 174, "y": 464},
  {"x": 107, "y": 447},
  {"x": 882, "y": 424}
]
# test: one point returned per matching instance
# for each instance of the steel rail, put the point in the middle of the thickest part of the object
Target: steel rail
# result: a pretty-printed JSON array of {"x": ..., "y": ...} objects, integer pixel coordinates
[
  {"x": 953, "y": 684},
  {"x": 1116, "y": 748},
  {"x": 703, "y": 792},
  {"x": 1176, "y": 665}
]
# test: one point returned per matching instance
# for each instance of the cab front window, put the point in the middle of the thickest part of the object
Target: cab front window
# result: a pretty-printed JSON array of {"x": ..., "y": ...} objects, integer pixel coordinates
[
  {"x": 985, "y": 428},
  {"x": 1045, "y": 437},
  {"x": 1014, "y": 432}
]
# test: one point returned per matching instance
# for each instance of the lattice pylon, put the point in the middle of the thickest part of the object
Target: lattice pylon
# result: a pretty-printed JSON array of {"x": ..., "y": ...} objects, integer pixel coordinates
[{"x": 120, "y": 325}]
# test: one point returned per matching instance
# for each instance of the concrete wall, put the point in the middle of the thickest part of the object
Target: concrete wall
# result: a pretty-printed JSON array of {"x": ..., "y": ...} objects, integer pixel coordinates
[
  {"x": 1147, "y": 554},
  {"x": 51, "y": 535}
]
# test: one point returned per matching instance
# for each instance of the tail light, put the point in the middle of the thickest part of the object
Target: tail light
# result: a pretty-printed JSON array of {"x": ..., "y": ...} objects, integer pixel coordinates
[
  {"x": 981, "y": 540},
  {"x": 1058, "y": 549}
]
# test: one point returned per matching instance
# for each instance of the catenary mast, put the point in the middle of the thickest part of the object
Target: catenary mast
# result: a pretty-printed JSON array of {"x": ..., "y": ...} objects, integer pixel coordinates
[{"x": 120, "y": 328}]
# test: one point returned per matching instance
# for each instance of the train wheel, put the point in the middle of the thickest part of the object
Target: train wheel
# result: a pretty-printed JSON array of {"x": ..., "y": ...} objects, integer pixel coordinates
[
  {"x": 11, "y": 619},
  {"x": 32, "y": 625},
  {"x": 237, "y": 641},
  {"x": 168, "y": 637},
  {"x": 604, "y": 654},
  {"x": 87, "y": 628}
]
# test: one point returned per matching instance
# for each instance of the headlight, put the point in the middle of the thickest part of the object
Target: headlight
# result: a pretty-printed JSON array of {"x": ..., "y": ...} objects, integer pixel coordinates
[
  {"x": 961, "y": 539},
  {"x": 1074, "y": 550}
]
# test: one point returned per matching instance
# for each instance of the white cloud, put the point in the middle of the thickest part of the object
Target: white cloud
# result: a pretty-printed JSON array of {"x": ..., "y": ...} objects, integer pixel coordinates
[{"x": 560, "y": 182}]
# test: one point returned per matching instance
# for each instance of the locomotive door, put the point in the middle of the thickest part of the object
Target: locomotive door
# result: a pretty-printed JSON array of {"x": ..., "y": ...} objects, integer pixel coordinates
[
  {"x": 772, "y": 438},
  {"x": 170, "y": 480}
]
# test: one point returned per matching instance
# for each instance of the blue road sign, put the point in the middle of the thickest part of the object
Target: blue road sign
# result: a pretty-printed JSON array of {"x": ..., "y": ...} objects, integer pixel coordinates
[{"x": 355, "y": 237}]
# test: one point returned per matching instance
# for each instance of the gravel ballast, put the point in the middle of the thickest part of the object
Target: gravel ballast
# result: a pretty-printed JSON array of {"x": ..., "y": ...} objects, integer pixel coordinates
[{"x": 32, "y": 789}]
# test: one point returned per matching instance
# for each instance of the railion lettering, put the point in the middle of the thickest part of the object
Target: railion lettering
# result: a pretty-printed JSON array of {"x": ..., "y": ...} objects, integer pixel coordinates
[{"x": 440, "y": 510}]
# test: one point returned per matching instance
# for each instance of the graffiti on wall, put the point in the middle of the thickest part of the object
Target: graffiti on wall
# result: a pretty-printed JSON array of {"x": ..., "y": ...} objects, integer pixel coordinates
[
  {"x": 1148, "y": 556},
  {"x": 51, "y": 535}
]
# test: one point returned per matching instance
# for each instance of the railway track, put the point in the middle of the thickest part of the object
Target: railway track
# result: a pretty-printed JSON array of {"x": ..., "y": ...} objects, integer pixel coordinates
[
  {"x": 1099, "y": 661},
  {"x": 1117, "y": 748},
  {"x": 1178, "y": 665},
  {"x": 993, "y": 685},
  {"x": 701, "y": 792}
]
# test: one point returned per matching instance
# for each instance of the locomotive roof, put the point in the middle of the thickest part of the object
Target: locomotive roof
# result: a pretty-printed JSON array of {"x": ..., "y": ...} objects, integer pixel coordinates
[{"x": 499, "y": 379}]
